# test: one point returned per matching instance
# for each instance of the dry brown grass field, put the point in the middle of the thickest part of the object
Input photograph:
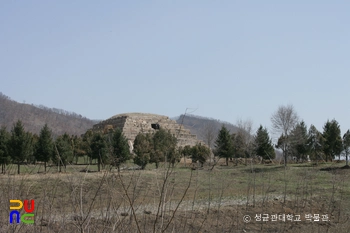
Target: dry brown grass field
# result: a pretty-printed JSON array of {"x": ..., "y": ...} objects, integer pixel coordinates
[{"x": 180, "y": 199}]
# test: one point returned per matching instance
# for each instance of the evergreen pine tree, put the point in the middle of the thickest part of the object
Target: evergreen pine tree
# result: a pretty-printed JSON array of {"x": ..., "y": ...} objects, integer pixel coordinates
[
  {"x": 19, "y": 144},
  {"x": 143, "y": 149},
  {"x": 315, "y": 143},
  {"x": 4, "y": 151},
  {"x": 263, "y": 144},
  {"x": 164, "y": 147},
  {"x": 298, "y": 141},
  {"x": 63, "y": 151},
  {"x": 223, "y": 144},
  {"x": 99, "y": 149},
  {"x": 44, "y": 146},
  {"x": 120, "y": 148},
  {"x": 333, "y": 139},
  {"x": 86, "y": 144},
  {"x": 78, "y": 150},
  {"x": 32, "y": 140}
]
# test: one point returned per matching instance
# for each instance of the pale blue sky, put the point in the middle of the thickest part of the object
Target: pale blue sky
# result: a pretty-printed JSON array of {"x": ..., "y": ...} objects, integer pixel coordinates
[{"x": 230, "y": 59}]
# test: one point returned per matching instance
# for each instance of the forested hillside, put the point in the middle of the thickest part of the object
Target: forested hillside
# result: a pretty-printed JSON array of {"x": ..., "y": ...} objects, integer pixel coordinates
[
  {"x": 204, "y": 127},
  {"x": 35, "y": 117},
  {"x": 60, "y": 121}
]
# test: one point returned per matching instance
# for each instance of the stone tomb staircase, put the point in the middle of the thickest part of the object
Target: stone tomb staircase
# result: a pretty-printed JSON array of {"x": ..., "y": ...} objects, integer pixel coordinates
[{"x": 134, "y": 123}]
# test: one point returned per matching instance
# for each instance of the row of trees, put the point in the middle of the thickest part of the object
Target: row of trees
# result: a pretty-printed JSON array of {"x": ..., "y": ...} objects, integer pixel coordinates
[
  {"x": 298, "y": 142},
  {"x": 239, "y": 145},
  {"x": 301, "y": 142},
  {"x": 155, "y": 148},
  {"x": 19, "y": 146},
  {"x": 295, "y": 140},
  {"x": 162, "y": 147}
]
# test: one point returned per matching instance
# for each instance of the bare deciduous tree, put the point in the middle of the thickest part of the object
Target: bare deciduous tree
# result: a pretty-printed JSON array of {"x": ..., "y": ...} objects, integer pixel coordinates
[
  {"x": 245, "y": 129},
  {"x": 283, "y": 121},
  {"x": 209, "y": 132}
]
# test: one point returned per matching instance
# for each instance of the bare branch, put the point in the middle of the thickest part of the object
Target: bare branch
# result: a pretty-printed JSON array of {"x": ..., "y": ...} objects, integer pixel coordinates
[{"x": 284, "y": 119}]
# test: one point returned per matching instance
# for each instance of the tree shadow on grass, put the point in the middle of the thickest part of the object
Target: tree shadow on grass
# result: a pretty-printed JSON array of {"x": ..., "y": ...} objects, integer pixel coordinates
[
  {"x": 335, "y": 168},
  {"x": 87, "y": 170},
  {"x": 265, "y": 169}
]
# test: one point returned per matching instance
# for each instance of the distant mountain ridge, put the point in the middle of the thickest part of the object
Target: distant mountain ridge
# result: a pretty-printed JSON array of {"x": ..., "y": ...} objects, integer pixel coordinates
[
  {"x": 61, "y": 121},
  {"x": 34, "y": 118},
  {"x": 200, "y": 125}
]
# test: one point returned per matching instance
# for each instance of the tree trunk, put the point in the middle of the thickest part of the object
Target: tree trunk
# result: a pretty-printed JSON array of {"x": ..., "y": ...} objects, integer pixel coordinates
[
  {"x": 226, "y": 161},
  {"x": 347, "y": 161},
  {"x": 285, "y": 160},
  {"x": 18, "y": 168},
  {"x": 98, "y": 164},
  {"x": 285, "y": 155},
  {"x": 45, "y": 166}
]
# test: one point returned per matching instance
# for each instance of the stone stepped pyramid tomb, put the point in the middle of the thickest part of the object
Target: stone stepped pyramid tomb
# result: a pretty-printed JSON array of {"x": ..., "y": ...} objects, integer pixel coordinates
[{"x": 134, "y": 123}]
